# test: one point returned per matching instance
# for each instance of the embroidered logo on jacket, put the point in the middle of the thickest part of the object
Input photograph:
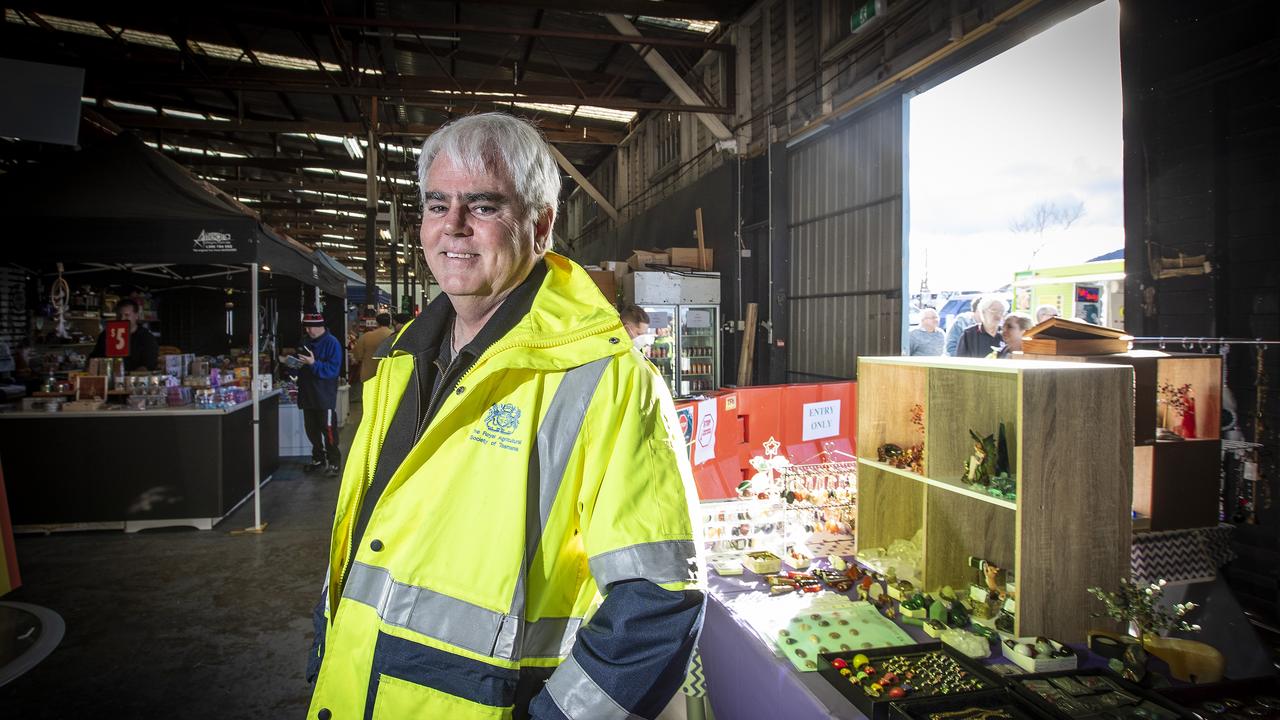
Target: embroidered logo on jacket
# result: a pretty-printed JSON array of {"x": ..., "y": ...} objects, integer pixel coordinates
[
  {"x": 503, "y": 418},
  {"x": 500, "y": 424}
]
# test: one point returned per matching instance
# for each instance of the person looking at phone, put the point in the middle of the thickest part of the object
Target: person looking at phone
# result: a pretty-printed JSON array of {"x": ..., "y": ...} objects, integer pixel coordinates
[{"x": 319, "y": 360}]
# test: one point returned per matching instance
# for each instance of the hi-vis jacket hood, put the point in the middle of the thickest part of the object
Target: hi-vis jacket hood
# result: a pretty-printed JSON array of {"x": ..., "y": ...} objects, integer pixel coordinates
[{"x": 551, "y": 473}]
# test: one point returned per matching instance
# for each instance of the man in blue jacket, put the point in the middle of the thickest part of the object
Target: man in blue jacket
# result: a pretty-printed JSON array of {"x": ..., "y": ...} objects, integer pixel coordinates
[{"x": 321, "y": 358}]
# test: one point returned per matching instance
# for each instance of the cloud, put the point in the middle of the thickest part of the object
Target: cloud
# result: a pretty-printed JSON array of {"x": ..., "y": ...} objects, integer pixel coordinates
[{"x": 1040, "y": 122}]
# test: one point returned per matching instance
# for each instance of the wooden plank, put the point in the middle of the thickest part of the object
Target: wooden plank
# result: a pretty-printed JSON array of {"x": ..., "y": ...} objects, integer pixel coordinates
[
  {"x": 1075, "y": 474},
  {"x": 959, "y": 527},
  {"x": 702, "y": 244},
  {"x": 886, "y": 393},
  {"x": 747, "y": 356},
  {"x": 890, "y": 507},
  {"x": 964, "y": 400}
]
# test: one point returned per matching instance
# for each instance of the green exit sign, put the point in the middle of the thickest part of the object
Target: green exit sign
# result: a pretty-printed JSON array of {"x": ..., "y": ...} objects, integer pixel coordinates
[{"x": 862, "y": 15}]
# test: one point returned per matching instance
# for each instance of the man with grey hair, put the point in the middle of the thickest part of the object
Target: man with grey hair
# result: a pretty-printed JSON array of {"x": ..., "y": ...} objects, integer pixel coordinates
[
  {"x": 1044, "y": 312},
  {"x": 979, "y": 340},
  {"x": 926, "y": 339},
  {"x": 514, "y": 535}
]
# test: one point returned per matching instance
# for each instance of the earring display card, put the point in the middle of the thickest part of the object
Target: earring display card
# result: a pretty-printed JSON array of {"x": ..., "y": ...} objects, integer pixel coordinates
[
  {"x": 1093, "y": 695},
  {"x": 908, "y": 672}
]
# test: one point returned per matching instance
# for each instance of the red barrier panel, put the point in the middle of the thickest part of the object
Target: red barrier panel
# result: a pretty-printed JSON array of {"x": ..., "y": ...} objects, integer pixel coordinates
[{"x": 807, "y": 420}]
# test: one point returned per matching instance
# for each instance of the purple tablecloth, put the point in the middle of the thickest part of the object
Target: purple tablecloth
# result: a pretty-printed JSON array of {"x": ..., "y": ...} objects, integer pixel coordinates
[{"x": 746, "y": 680}]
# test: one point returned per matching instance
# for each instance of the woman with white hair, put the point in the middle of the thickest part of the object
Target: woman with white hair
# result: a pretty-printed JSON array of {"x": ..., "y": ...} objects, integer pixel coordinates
[{"x": 979, "y": 340}]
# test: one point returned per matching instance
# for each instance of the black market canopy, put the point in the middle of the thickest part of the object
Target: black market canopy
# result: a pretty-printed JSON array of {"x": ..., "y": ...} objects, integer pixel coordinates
[{"x": 122, "y": 203}]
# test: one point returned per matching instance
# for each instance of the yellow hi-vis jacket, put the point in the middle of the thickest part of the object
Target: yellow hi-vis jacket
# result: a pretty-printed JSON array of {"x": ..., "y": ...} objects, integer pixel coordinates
[{"x": 553, "y": 470}]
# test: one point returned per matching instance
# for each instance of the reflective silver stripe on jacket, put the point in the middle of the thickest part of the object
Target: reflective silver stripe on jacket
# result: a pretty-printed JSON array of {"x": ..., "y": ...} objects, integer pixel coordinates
[
  {"x": 667, "y": 561},
  {"x": 580, "y": 698},
  {"x": 455, "y": 621},
  {"x": 557, "y": 436}
]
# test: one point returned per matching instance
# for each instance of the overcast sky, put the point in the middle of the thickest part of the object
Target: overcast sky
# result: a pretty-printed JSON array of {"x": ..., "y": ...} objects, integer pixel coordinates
[{"x": 1040, "y": 122}]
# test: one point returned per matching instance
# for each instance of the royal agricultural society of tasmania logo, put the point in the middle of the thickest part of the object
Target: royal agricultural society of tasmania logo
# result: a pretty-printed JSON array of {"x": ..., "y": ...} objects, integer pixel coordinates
[
  {"x": 213, "y": 242},
  {"x": 500, "y": 424}
]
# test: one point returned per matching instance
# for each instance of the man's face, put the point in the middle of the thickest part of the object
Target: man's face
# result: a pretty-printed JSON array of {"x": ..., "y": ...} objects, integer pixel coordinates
[
  {"x": 991, "y": 317},
  {"x": 475, "y": 234},
  {"x": 315, "y": 332},
  {"x": 929, "y": 320},
  {"x": 130, "y": 313}
]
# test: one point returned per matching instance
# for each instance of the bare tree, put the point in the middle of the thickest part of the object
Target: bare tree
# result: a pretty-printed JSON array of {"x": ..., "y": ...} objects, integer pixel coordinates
[{"x": 1043, "y": 216}]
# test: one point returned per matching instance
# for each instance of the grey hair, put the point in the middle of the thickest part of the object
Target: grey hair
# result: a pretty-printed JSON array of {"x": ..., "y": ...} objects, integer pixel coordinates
[
  {"x": 989, "y": 300},
  {"x": 1048, "y": 311},
  {"x": 497, "y": 142}
]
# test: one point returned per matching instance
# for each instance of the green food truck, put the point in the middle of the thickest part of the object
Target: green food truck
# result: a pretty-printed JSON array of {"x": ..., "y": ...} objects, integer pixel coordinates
[{"x": 1091, "y": 291}]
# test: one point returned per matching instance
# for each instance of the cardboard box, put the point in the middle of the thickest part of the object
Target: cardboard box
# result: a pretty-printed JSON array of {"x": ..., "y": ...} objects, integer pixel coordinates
[
  {"x": 688, "y": 257},
  {"x": 617, "y": 267},
  {"x": 607, "y": 282},
  {"x": 641, "y": 259}
]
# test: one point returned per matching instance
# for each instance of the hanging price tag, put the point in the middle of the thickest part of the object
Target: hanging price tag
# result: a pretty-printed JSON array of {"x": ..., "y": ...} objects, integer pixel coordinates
[{"x": 117, "y": 343}]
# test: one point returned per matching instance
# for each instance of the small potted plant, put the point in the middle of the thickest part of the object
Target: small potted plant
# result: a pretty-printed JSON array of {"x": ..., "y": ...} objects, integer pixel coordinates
[{"x": 1139, "y": 606}]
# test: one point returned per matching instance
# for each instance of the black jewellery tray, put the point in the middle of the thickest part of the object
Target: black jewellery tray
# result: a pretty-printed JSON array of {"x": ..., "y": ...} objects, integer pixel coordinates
[
  {"x": 1108, "y": 697},
  {"x": 878, "y": 708},
  {"x": 1255, "y": 698},
  {"x": 997, "y": 704}
]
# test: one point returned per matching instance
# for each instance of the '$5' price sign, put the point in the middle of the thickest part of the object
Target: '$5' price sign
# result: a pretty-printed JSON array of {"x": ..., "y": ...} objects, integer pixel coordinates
[{"x": 117, "y": 338}]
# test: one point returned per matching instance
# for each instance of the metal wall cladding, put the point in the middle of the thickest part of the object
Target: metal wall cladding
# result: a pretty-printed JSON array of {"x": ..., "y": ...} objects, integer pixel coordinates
[{"x": 846, "y": 240}]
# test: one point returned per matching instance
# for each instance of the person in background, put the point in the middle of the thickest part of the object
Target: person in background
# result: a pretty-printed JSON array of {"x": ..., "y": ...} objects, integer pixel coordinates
[
  {"x": 978, "y": 341},
  {"x": 321, "y": 359},
  {"x": 368, "y": 343},
  {"x": 927, "y": 339},
  {"x": 144, "y": 351},
  {"x": 399, "y": 320},
  {"x": 1011, "y": 330},
  {"x": 1044, "y": 312},
  {"x": 959, "y": 324},
  {"x": 635, "y": 320}
]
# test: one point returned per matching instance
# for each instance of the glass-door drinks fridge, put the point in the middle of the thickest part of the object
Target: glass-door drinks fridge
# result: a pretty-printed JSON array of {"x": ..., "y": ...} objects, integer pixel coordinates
[{"x": 684, "y": 320}]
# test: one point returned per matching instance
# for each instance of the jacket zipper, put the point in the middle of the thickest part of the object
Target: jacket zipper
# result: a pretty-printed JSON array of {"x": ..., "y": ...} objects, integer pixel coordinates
[{"x": 383, "y": 387}]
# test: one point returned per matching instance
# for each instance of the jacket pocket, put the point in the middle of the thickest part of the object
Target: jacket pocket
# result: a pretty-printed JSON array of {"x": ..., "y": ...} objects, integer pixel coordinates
[
  {"x": 401, "y": 700},
  {"x": 410, "y": 680}
]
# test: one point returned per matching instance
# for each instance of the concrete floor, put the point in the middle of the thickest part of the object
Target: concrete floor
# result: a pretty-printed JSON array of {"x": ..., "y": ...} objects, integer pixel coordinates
[{"x": 182, "y": 623}]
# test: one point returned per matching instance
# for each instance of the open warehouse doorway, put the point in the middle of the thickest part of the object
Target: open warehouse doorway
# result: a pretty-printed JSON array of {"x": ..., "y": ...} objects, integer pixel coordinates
[{"x": 1014, "y": 178}]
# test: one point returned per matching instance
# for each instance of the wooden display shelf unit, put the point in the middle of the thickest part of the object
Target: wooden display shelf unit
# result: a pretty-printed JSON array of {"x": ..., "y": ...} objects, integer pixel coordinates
[
  {"x": 1069, "y": 428},
  {"x": 1175, "y": 483}
]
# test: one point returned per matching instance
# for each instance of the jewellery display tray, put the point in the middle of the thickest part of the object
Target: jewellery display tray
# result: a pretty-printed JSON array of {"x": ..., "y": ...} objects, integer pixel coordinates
[
  {"x": 1171, "y": 709},
  {"x": 878, "y": 708},
  {"x": 1247, "y": 692},
  {"x": 924, "y": 708}
]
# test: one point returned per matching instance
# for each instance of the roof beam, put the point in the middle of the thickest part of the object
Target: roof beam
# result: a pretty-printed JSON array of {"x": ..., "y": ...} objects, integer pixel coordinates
[
  {"x": 433, "y": 95},
  {"x": 287, "y": 163},
  {"x": 581, "y": 134},
  {"x": 585, "y": 184},
  {"x": 673, "y": 80},
  {"x": 666, "y": 9}
]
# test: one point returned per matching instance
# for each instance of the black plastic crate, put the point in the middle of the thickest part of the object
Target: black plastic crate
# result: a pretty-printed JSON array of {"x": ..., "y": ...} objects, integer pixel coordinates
[
  {"x": 1093, "y": 706},
  {"x": 878, "y": 708},
  {"x": 1010, "y": 704}
]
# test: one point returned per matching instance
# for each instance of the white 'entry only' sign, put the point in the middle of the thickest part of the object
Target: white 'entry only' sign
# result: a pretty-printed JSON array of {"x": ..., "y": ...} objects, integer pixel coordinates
[{"x": 821, "y": 420}]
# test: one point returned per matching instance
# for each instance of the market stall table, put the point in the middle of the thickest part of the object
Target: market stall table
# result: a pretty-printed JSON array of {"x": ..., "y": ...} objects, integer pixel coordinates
[
  {"x": 746, "y": 679},
  {"x": 133, "y": 469}
]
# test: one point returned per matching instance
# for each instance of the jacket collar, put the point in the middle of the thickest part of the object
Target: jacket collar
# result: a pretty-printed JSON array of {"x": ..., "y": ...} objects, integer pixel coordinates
[{"x": 557, "y": 315}]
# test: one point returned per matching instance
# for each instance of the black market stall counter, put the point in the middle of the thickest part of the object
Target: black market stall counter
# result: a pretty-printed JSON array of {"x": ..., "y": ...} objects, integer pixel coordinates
[{"x": 134, "y": 469}]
